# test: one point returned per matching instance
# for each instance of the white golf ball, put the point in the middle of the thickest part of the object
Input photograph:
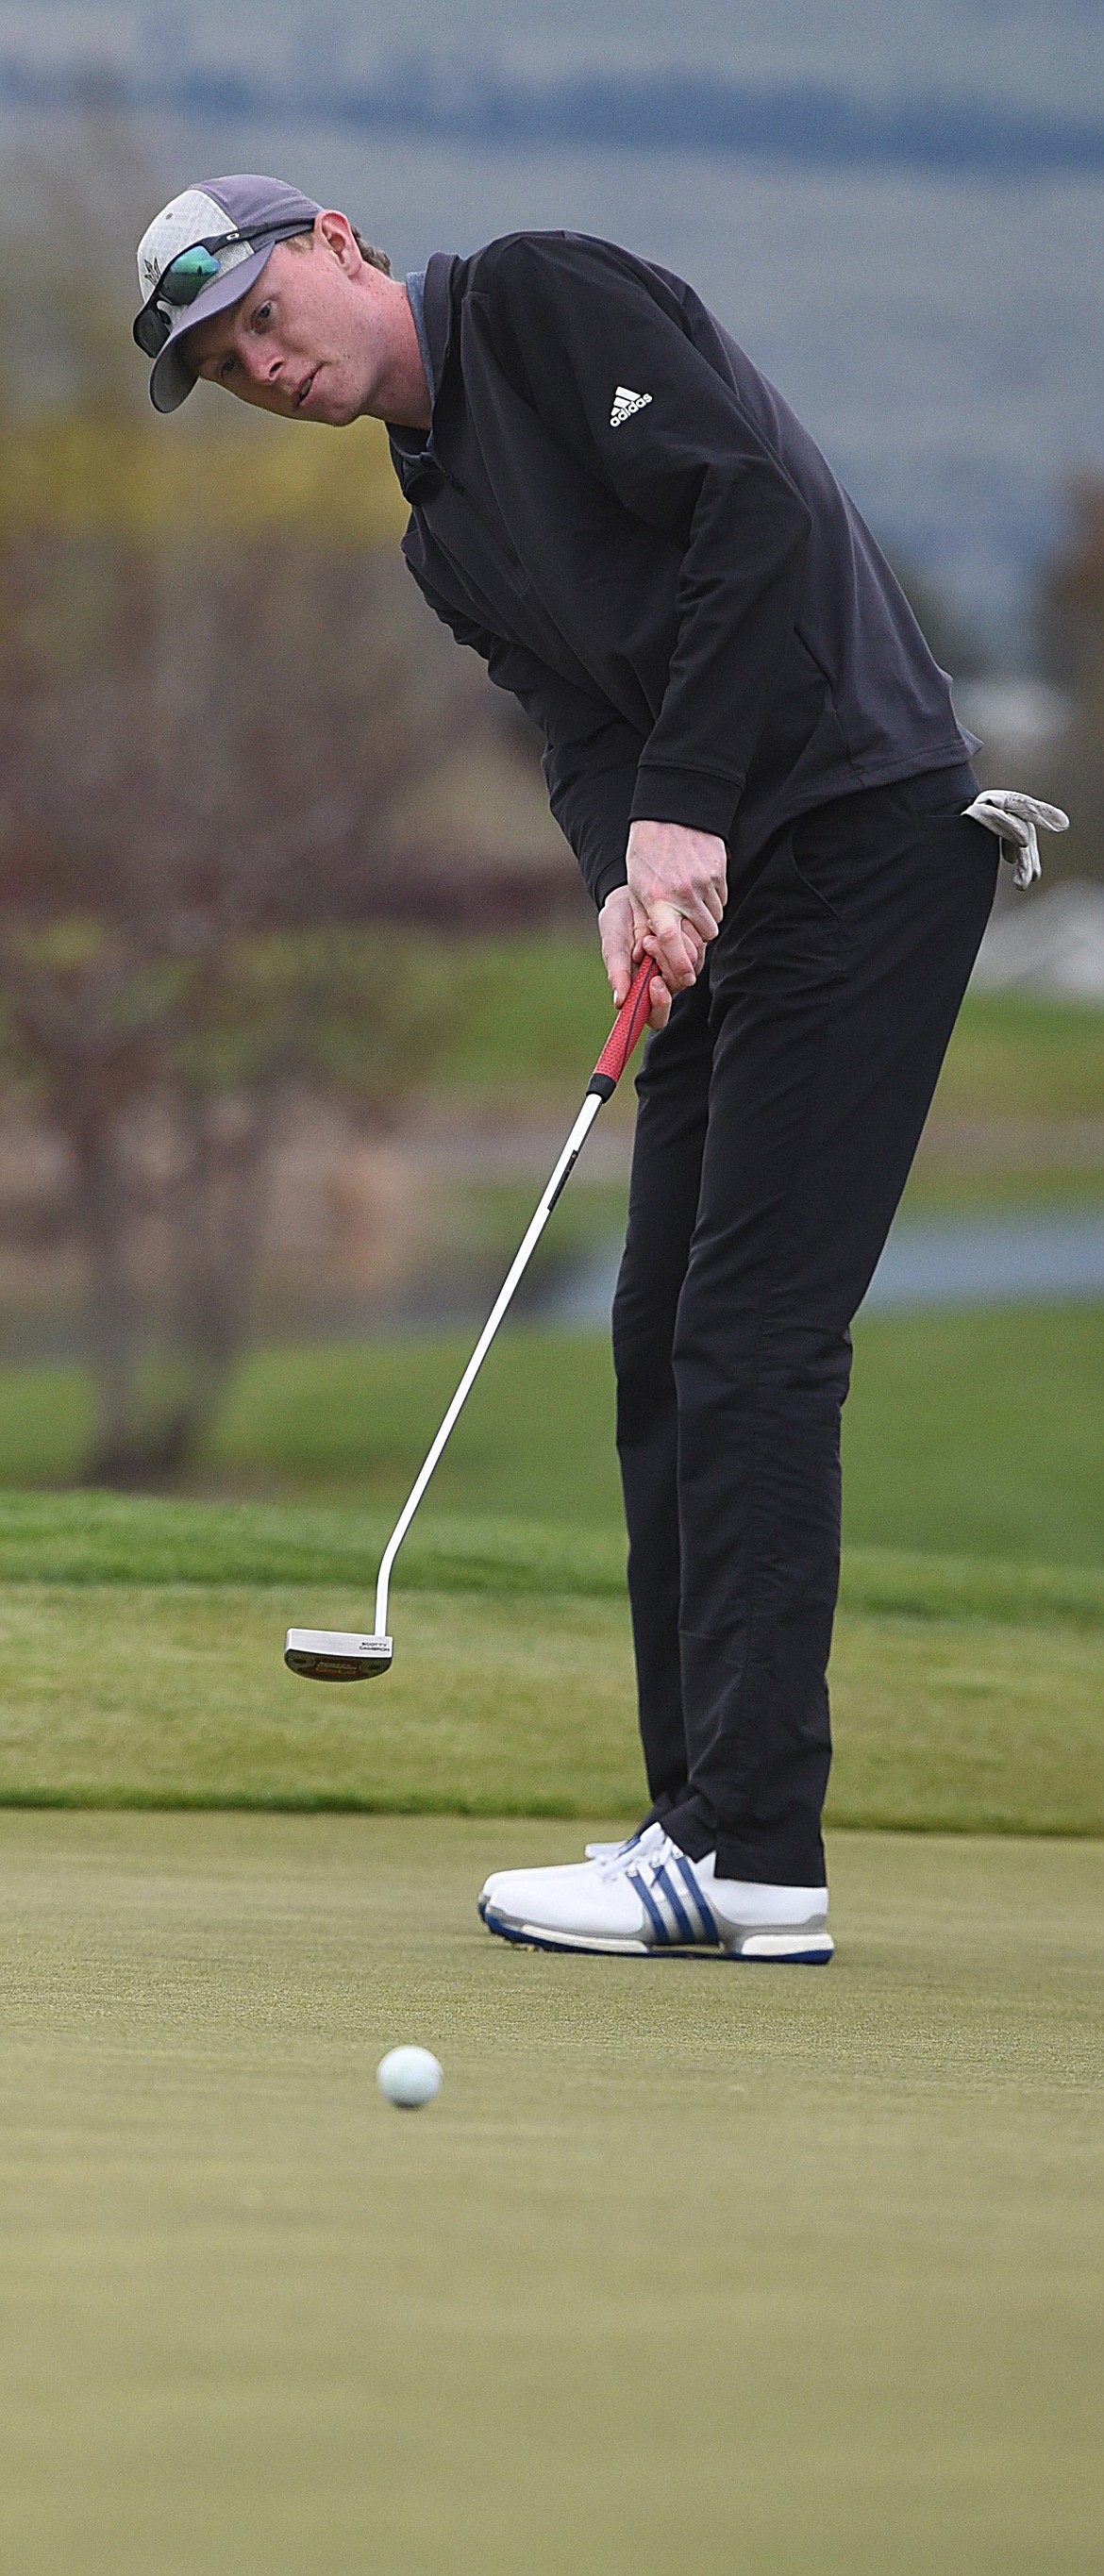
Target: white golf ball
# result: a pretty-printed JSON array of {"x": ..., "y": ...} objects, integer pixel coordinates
[{"x": 409, "y": 2077}]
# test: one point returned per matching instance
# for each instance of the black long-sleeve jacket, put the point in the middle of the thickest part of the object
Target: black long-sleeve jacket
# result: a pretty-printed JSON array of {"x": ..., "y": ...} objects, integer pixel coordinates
[{"x": 620, "y": 514}]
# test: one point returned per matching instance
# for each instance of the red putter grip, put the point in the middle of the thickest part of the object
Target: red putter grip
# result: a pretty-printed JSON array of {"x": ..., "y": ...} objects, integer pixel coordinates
[{"x": 631, "y": 1019}]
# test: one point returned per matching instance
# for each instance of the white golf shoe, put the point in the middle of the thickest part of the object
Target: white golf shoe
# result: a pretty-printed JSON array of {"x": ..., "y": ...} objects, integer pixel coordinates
[
  {"x": 592, "y": 1851},
  {"x": 647, "y": 1899}
]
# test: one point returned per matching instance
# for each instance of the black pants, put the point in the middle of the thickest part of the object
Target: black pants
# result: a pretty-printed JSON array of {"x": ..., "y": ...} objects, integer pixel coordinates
[{"x": 779, "y": 1113}]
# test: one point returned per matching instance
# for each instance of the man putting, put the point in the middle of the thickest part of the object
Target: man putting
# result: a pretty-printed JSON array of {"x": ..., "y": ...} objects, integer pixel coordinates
[{"x": 758, "y": 766}]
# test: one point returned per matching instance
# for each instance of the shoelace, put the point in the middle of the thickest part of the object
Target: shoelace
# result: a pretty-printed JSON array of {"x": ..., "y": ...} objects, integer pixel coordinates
[{"x": 639, "y": 1852}]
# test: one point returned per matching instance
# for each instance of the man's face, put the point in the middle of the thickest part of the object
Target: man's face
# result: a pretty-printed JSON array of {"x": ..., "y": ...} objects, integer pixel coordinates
[{"x": 307, "y": 340}]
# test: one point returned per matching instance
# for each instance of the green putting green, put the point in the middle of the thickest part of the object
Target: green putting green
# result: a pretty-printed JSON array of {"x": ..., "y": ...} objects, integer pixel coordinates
[{"x": 690, "y": 2265}]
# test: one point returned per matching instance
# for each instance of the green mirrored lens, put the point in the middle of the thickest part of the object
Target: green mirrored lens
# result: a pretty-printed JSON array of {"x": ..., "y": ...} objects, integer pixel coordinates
[{"x": 185, "y": 278}]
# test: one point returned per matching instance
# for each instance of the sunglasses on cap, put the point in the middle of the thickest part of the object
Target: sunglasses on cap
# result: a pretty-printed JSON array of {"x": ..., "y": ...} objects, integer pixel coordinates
[{"x": 192, "y": 271}]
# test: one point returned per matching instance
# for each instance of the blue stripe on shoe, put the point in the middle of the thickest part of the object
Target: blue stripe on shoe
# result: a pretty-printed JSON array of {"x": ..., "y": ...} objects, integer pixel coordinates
[
  {"x": 682, "y": 1920},
  {"x": 706, "y": 1915},
  {"x": 640, "y": 1887}
]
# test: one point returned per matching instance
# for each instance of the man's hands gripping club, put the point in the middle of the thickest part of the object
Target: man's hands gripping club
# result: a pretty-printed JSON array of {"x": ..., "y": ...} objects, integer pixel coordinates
[{"x": 670, "y": 910}]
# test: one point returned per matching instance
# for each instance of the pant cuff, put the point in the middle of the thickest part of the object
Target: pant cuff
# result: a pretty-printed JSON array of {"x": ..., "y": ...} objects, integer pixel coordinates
[{"x": 760, "y": 1864}]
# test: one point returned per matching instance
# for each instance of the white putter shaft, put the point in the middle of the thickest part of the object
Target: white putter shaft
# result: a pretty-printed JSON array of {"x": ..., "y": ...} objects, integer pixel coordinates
[{"x": 340, "y": 1655}]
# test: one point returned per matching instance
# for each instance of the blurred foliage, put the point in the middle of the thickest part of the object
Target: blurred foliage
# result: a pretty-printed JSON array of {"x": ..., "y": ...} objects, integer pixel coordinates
[
  {"x": 169, "y": 1073},
  {"x": 216, "y": 688},
  {"x": 82, "y": 453},
  {"x": 357, "y": 1013},
  {"x": 1074, "y": 603},
  {"x": 86, "y": 474}
]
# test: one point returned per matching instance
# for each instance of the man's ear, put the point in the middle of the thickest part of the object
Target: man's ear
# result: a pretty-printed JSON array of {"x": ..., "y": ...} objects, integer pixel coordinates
[{"x": 335, "y": 233}]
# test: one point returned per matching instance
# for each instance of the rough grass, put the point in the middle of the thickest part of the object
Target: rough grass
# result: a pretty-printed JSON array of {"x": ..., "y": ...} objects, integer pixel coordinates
[
  {"x": 980, "y": 1433},
  {"x": 965, "y": 1433},
  {"x": 791, "y": 2271}
]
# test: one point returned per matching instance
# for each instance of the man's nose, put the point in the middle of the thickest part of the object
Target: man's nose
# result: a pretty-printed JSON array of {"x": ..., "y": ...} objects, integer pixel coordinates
[{"x": 263, "y": 365}]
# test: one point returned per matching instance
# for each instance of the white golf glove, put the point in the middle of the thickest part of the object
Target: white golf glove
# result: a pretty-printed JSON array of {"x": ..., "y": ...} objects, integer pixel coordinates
[{"x": 1017, "y": 821}]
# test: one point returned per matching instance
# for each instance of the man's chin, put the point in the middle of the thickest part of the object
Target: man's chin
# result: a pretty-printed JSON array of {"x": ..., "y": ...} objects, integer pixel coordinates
[{"x": 331, "y": 408}]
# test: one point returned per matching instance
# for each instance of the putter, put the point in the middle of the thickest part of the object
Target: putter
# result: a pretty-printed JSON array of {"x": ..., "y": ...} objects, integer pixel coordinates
[{"x": 340, "y": 1655}]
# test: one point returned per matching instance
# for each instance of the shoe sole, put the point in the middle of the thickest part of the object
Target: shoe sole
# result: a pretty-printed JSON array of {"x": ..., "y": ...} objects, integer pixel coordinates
[{"x": 794, "y": 1947}]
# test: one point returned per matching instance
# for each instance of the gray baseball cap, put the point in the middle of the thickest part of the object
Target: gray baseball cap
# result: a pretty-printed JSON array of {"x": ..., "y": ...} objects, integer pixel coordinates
[{"x": 200, "y": 254}]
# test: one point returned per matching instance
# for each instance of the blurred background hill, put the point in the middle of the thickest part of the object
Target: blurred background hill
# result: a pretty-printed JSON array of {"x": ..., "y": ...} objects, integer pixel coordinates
[{"x": 297, "y": 984}]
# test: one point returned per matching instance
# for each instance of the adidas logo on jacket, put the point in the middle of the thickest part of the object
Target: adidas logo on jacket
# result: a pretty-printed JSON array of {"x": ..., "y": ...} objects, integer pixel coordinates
[{"x": 625, "y": 402}]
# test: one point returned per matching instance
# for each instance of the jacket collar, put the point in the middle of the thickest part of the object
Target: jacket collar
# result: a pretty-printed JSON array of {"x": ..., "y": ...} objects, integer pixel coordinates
[
  {"x": 438, "y": 309},
  {"x": 413, "y": 453}
]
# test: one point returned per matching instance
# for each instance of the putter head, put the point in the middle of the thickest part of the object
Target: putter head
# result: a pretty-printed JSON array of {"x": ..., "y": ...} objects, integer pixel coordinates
[{"x": 336, "y": 1655}]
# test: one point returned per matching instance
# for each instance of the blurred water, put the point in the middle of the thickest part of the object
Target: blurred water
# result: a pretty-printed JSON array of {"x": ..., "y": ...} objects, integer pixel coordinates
[{"x": 992, "y": 1261}]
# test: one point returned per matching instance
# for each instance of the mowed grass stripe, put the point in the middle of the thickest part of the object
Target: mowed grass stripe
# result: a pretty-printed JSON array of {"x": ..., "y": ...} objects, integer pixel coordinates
[
  {"x": 177, "y": 1696},
  {"x": 99, "y": 1538},
  {"x": 93, "y": 1537}
]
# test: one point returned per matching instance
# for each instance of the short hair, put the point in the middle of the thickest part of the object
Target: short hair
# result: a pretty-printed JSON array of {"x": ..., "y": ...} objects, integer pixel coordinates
[
  {"x": 375, "y": 258},
  {"x": 368, "y": 252}
]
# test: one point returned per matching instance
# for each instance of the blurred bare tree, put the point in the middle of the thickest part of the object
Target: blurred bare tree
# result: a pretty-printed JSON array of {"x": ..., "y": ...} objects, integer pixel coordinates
[
  {"x": 195, "y": 803},
  {"x": 205, "y": 735}
]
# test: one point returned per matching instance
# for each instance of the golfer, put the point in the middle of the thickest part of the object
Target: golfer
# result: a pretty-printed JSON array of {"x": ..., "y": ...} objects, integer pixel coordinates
[{"x": 759, "y": 768}]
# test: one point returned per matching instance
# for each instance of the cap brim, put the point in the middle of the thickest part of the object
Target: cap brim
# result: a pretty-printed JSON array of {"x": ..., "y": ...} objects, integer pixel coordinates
[{"x": 172, "y": 377}]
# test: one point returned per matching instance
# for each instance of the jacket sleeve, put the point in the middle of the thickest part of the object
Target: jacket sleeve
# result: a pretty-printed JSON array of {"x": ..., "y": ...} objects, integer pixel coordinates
[
  {"x": 575, "y": 319},
  {"x": 591, "y": 755}
]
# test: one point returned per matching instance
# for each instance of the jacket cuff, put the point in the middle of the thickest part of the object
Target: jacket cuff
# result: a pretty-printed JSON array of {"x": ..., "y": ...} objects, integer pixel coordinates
[
  {"x": 696, "y": 798},
  {"x": 615, "y": 873}
]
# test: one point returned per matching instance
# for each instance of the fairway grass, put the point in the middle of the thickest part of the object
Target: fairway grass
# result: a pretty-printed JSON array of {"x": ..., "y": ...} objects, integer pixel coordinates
[
  {"x": 523, "y": 1704},
  {"x": 690, "y": 2265}
]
